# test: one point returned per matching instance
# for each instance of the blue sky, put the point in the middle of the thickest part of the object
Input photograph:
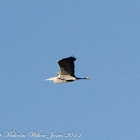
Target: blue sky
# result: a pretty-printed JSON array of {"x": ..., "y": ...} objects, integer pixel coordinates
[{"x": 102, "y": 35}]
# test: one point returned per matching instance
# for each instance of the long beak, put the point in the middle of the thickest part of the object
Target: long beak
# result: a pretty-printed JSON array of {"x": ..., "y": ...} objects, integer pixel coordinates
[{"x": 49, "y": 78}]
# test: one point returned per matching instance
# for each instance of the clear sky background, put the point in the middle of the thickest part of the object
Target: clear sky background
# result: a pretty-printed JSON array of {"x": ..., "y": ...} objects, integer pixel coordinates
[{"x": 104, "y": 36}]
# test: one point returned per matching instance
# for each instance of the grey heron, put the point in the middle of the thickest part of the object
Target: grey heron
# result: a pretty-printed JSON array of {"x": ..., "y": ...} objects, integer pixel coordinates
[{"x": 66, "y": 71}]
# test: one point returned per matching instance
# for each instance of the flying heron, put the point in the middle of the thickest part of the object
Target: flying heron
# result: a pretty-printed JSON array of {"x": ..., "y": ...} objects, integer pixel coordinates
[{"x": 66, "y": 71}]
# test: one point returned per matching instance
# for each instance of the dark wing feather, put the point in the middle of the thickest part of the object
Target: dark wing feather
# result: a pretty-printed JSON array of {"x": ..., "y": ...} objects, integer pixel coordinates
[{"x": 67, "y": 66}]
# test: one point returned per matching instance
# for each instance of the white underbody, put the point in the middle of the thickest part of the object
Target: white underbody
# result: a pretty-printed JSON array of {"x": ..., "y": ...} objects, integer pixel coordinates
[{"x": 62, "y": 79}]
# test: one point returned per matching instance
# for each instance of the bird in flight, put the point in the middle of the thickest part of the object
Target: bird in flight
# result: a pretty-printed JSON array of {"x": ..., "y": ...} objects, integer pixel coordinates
[{"x": 66, "y": 73}]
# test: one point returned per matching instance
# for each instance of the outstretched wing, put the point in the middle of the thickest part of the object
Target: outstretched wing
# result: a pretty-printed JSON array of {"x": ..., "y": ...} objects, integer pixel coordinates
[{"x": 67, "y": 66}]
